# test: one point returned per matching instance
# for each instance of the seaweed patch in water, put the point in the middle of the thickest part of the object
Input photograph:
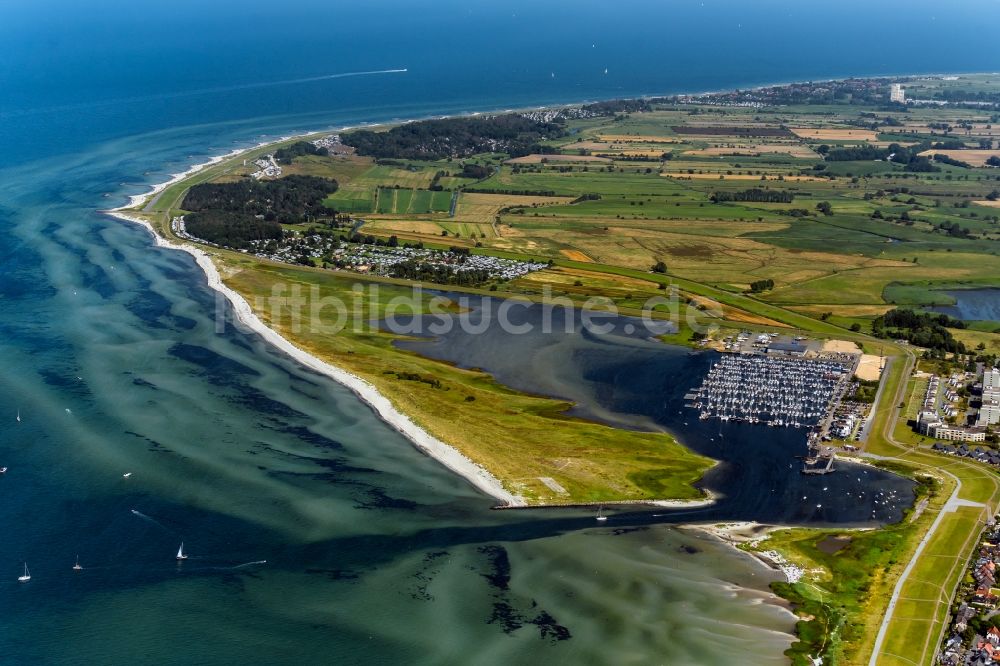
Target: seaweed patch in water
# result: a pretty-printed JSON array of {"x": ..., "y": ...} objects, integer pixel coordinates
[
  {"x": 499, "y": 578},
  {"x": 506, "y": 616},
  {"x": 618, "y": 531},
  {"x": 426, "y": 576},
  {"x": 549, "y": 628},
  {"x": 378, "y": 499},
  {"x": 334, "y": 574}
]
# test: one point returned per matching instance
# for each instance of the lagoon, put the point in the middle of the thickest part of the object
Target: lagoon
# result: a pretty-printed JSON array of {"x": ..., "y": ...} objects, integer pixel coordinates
[
  {"x": 972, "y": 304},
  {"x": 317, "y": 533}
]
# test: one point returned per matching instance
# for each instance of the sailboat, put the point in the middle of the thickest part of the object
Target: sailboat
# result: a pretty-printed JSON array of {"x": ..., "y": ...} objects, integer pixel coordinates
[
  {"x": 19, "y": 415},
  {"x": 77, "y": 567},
  {"x": 180, "y": 553},
  {"x": 600, "y": 514},
  {"x": 27, "y": 575}
]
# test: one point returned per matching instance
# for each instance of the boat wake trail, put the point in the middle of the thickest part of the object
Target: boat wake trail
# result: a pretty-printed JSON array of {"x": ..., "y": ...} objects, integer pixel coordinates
[
  {"x": 140, "y": 514},
  {"x": 249, "y": 564},
  {"x": 200, "y": 91},
  {"x": 271, "y": 84}
]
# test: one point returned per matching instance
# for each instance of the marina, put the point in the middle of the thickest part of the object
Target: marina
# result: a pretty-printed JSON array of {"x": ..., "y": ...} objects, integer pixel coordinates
[{"x": 782, "y": 392}]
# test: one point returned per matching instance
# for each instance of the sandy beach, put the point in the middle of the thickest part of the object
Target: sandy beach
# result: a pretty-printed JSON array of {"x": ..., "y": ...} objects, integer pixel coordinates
[
  {"x": 440, "y": 451},
  {"x": 446, "y": 455},
  {"x": 753, "y": 533}
]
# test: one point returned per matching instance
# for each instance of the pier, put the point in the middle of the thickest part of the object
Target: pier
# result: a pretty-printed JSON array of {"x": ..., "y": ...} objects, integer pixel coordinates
[{"x": 820, "y": 459}]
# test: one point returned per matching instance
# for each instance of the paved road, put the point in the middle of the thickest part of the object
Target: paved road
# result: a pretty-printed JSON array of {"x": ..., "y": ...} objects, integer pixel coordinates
[{"x": 953, "y": 503}]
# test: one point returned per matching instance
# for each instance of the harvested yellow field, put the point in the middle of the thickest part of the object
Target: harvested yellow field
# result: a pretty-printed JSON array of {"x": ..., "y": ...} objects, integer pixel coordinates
[
  {"x": 987, "y": 202},
  {"x": 755, "y": 150},
  {"x": 484, "y": 208},
  {"x": 835, "y": 134},
  {"x": 538, "y": 159},
  {"x": 575, "y": 255},
  {"x": 636, "y": 138},
  {"x": 975, "y": 157},
  {"x": 735, "y": 176},
  {"x": 388, "y": 225}
]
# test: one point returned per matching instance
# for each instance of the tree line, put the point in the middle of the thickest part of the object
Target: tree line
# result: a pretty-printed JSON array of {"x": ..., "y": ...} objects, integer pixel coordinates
[
  {"x": 229, "y": 229},
  {"x": 234, "y": 214},
  {"x": 920, "y": 328},
  {"x": 440, "y": 274},
  {"x": 286, "y": 200},
  {"x": 288, "y": 154},
  {"x": 438, "y": 139},
  {"x": 754, "y": 194}
]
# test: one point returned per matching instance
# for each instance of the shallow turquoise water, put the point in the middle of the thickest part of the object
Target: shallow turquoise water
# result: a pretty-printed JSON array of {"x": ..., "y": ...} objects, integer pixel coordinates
[{"x": 109, "y": 350}]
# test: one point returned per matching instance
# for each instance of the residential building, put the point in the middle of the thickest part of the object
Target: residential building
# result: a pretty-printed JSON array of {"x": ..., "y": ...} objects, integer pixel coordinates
[
  {"x": 929, "y": 424},
  {"x": 989, "y": 414},
  {"x": 991, "y": 379}
]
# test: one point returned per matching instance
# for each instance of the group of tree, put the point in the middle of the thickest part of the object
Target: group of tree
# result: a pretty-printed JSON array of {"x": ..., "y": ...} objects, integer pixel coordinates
[
  {"x": 908, "y": 156},
  {"x": 856, "y": 153},
  {"x": 758, "y": 286},
  {"x": 288, "y": 154},
  {"x": 756, "y": 194},
  {"x": 234, "y": 214},
  {"x": 616, "y": 106},
  {"x": 954, "y": 229},
  {"x": 438, "y": 273},
  {"x": 436, "y": 139},
  {"x": 476, "y": 171},
  {"x": 229, "y": 229},
  {"x": 865, "y": 391},
  {"x": 288, "y": 200},
  {"x": 920, "y": 328},
  {"x": 495, "y": 190},
  {"x": 944, "y": 159}
]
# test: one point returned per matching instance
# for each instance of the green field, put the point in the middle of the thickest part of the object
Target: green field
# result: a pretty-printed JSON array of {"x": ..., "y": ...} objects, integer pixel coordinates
[
  {"x": 399, "y": 201},
  {"x": 856, "y": 238}
]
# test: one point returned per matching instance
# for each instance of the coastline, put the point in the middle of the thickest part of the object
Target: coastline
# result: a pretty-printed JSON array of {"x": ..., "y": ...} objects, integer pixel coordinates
[
  {"x": 753, "y": 533},
  {"x": 448, "y": 456}
]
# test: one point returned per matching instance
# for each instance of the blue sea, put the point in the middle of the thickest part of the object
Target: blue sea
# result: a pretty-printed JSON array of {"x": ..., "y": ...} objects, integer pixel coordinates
[{"x": 316, "y": 533}]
